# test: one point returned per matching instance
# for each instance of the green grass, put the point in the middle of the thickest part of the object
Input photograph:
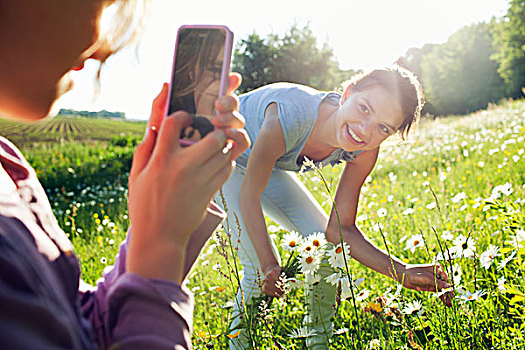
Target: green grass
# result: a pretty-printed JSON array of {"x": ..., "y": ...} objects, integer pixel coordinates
[{"x": 438, "y": 184}]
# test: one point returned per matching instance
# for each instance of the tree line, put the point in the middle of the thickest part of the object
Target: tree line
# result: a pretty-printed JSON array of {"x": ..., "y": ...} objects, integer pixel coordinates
[{"x": 479, "y": 64}]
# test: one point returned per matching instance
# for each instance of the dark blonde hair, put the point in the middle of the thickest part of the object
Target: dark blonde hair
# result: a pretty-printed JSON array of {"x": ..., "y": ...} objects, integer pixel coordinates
[
  {"x": 124, "y": 28},
  {"x": 402, "y": 84}
]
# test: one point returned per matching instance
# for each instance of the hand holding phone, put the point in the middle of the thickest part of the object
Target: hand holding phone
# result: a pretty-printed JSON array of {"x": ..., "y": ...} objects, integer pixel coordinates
[{"x": 201, "y": 68}]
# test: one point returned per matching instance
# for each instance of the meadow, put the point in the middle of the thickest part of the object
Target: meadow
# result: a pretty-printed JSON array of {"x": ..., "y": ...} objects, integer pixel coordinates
[{"x": 453, "y": 193}]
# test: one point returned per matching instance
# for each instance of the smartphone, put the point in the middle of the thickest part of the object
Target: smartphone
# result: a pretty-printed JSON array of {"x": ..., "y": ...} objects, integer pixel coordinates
[{"x": 200, "y": 74}]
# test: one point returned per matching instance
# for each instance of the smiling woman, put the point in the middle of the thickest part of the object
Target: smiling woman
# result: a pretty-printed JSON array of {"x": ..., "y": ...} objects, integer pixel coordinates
[{"x": 295, "y": 127}]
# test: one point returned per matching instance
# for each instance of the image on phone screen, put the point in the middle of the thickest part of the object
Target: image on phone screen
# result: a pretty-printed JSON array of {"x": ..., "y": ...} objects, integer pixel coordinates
[{"x": 196, "y": 81}]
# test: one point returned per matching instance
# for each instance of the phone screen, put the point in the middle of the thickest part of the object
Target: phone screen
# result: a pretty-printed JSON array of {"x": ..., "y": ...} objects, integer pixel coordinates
[{"x": 196, "y": 82}]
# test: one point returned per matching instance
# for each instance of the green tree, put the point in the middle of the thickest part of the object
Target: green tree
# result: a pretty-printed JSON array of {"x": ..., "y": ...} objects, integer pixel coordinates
[
  {"x": 459, "y": 76},
  {"x": 509, "y": 43},
  {"x": 255, "y": 59},
  {"x": 412, "y": 61},
  {"x": 295, "y": 57}
]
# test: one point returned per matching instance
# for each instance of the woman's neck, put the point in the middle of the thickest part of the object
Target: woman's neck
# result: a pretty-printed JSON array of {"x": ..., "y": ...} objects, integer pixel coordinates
[{"x": 319, "y": 144}]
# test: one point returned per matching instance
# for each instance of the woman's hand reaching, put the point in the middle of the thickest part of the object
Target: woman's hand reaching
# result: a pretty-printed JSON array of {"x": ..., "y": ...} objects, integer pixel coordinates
[{"x": 429, "y": 278}]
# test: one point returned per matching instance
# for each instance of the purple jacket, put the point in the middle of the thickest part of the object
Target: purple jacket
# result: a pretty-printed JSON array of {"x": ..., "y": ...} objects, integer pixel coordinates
[{"x": 43, "y": 302}]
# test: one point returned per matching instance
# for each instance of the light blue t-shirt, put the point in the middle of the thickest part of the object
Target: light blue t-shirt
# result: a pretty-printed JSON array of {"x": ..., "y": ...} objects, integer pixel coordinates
[{"x": 298, "y": 108}]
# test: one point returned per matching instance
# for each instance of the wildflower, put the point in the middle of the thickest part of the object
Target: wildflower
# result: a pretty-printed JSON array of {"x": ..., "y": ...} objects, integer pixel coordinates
[
  {"x": 273, "y": 228},
  {"x": 374, "y": 344},
  {"x": 504, "y": 262},
  {"x": 302, "y": 332},
  {"x": 447, "y": 236},
  {"x": 463, "y": 247},
  {"x": 309, "y": 263},
  {"x": 505, "y": 189},
  {"x": 316, "y": 240},
  {"x": 333, "y": 279},
  {"x": 516, "y": 240},
  {"x": 431, "y": 205},
  {"x": 341, "y": 331},
  {"x": 313, "y": 278},
  {"x": 228, "y": 305},
  {"x": 291, "y": 240},
  {"x": 308, "y": 164},
  {"x": 443, "y": 291},
  {"x": 412, "y": 307},
  {"x": 375, "y": 307},
  {"x": 501, "y": 284},
  {"x": 468, "y": 296},
  {"x": 377, "y": 227},
  {"x": 408, "y": 211},
  {"x": 234, "y": 335},
  {"x": 346, "y": 288},
  {"x": 456, "y": 274},
  {"x": 103, "y": 260},
  {"x": 381, "y": 212},
  {"x": 488, "y": 256},
  {"x": 362, "y": 295},
  {"x": 414, "y": 242},
  {"x": 335, "y": 255},
  {"x": 459, "y": 197}
]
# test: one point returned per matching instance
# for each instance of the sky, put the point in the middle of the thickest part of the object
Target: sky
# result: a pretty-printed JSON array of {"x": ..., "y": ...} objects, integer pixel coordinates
[{"x": 362, "y": 33}]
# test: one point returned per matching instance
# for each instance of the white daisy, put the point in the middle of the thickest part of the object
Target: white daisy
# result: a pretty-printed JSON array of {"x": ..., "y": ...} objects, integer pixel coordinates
[
  {"x": 374, "y": 344},
  {"x": 302, "y": 332},
  {"x": 464, "y": 247},
  {"x": 414, "y": 242},
  {"x": 501, "y": 284},
  {"x": 335, "y": 255},
  {"x": 456, "y": 274},
  {"x": 362, "y": 295},
  {"x": 504, "y": 262},
  {"x": 517, "y": 240},
  {"x": 431, "y": 205},
  {"x": 316, "y": 240},
  {"x": 291, "y": 241},
  {"x": 487, "y": 257},
  {"x": 381, "y": 212},
  {"x": 459, "y": 197},
  {"x": 412, "y": 307},
  {"x": 333, "y": 279},
  {"x": 468, "y": 296},
  {"x": 447, "y": 236},
  {"x": 313, "y": 278},
  {"x": 408, "y": 211},
  {"x": 346, "y": 291},
  {"x": 309, "y": 263}
]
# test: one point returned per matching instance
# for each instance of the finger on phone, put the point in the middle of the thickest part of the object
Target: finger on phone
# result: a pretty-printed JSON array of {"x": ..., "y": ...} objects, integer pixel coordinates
[
  {"x": 241, "y": 141},
  {"x": 226, "y": 104},
  {"x": 231, "y": 119},
  {"x": 170, "y": 129},
  {"x": 210, "y": 145}
]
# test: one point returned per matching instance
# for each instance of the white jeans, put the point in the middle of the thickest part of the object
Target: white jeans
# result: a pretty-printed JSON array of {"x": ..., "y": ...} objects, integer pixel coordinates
[{"x": 289, "y": 203}]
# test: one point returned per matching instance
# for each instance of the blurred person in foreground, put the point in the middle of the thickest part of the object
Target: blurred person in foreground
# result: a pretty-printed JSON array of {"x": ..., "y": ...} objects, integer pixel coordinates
[{"x": 140, "y": 303}]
